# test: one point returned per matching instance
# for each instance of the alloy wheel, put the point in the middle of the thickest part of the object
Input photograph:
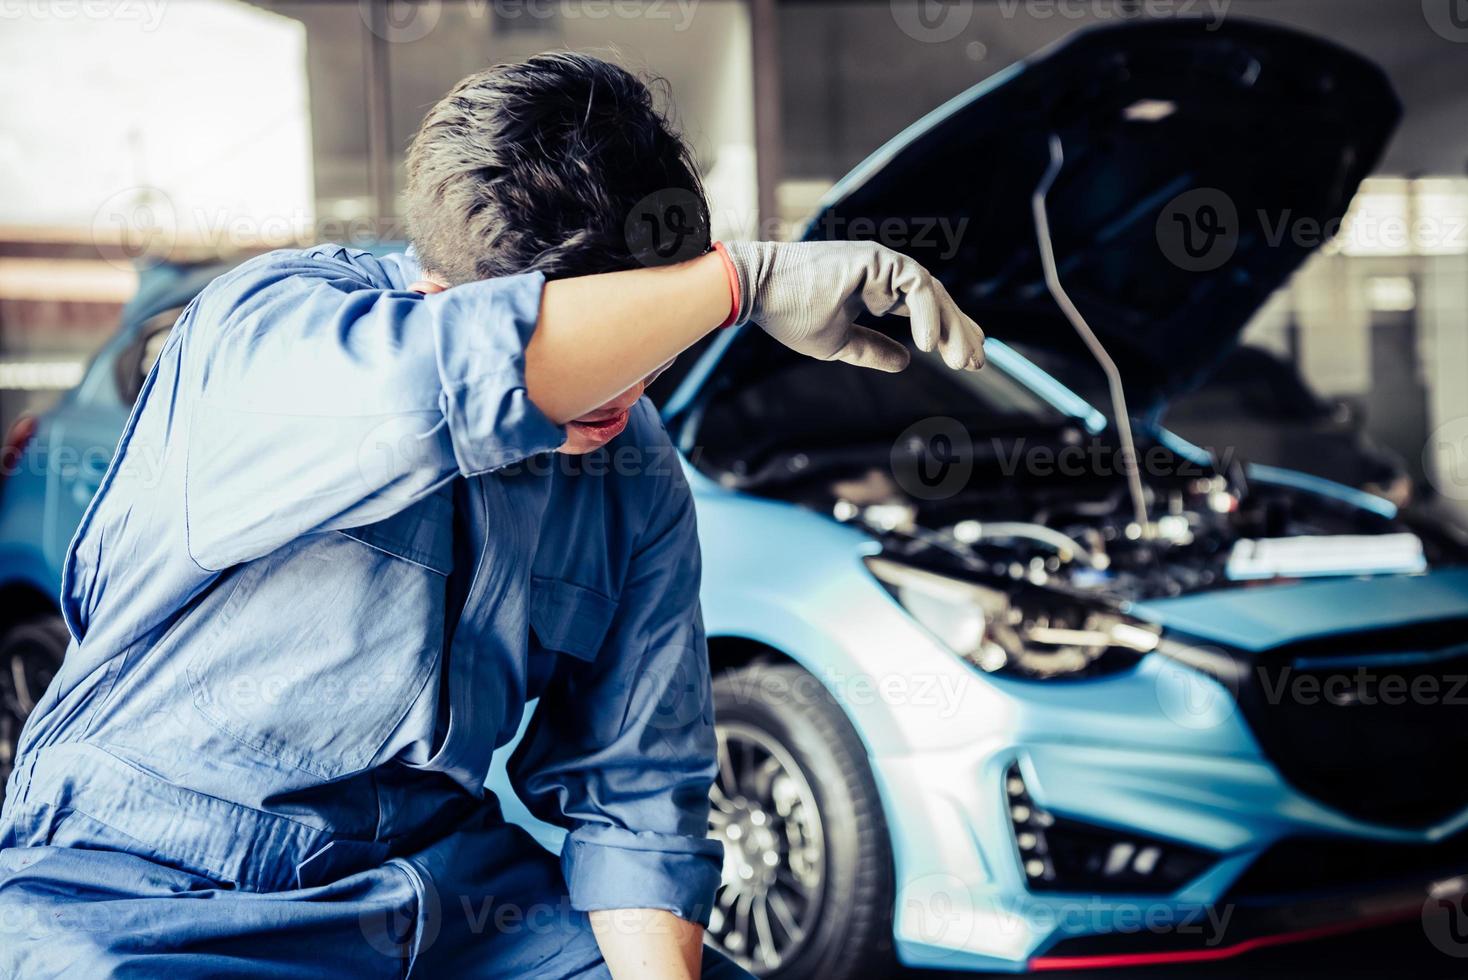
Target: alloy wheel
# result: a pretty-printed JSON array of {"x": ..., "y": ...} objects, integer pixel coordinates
[
  {"x": 26, "y": 670},
  {"x": 764, "y": 812}
]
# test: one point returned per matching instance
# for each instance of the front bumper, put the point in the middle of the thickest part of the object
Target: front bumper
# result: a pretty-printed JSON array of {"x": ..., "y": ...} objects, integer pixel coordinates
[{"x": 963, "y": 902}]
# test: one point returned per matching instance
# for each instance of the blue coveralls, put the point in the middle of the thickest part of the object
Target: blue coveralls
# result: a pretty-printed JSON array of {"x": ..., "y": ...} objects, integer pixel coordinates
[{"x": 333, "y": 559}]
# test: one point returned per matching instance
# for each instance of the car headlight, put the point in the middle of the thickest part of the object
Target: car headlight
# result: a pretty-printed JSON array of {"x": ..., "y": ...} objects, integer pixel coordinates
[{"x": 1038, "y": 635}]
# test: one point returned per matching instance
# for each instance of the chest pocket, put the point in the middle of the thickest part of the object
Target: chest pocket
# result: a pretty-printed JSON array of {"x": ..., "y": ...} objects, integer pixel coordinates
[
  {"x": 569, "y": 618},
  {"x": 313, "y": 654}
]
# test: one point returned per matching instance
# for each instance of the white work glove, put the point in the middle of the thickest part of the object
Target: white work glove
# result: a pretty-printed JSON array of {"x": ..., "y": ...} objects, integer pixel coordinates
[{"x": 807, "y": 296}]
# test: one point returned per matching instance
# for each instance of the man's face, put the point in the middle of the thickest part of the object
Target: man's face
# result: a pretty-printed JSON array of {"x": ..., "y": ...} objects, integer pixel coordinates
[{"x": 603, "y": 424}]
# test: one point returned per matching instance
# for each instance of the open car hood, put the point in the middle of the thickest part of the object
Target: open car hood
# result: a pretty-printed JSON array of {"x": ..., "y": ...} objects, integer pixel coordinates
[{"x": 1201, "y": 162}]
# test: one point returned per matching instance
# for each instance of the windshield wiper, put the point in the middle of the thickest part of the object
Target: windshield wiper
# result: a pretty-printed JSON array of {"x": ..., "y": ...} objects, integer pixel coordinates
[{"x": 1098, "y": 351}]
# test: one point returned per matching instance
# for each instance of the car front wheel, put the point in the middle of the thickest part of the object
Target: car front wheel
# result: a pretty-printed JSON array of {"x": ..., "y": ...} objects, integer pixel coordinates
[
  {"x": 30, "y": 654},
  {"x": 807, "y": 883}
]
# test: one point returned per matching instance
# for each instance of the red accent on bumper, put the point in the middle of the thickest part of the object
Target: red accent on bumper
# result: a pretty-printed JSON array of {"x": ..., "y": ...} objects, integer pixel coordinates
[{"x": 1102, "y": 962}]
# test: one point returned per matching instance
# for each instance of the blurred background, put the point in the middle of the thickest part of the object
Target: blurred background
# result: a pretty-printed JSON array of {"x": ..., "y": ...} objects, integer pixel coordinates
[{"x": 138, "y": 130}]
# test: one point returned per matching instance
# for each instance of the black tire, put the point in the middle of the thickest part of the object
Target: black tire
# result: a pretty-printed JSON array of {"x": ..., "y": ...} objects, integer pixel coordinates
[
  {"x": 30, "y": 654},
  {"x": 763, "y": 712}
]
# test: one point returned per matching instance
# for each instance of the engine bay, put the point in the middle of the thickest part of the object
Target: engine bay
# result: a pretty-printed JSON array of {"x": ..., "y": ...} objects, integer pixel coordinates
[
  {"x": 1026, "y": 495},
  {"x": 1069, "y": 529}
]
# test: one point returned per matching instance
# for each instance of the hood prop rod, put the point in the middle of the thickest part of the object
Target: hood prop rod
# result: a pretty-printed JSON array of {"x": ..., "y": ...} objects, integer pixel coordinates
[{"x": 1098, "y": 351}]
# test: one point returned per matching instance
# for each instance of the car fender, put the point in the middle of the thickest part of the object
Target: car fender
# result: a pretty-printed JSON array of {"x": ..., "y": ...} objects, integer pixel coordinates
[{"x": 792, "y": 580}]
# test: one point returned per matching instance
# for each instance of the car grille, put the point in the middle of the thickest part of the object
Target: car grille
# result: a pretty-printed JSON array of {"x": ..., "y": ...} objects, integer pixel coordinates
[
  {"x": 1302, "y": 866},
  {"x": 1375, "y": 727}
]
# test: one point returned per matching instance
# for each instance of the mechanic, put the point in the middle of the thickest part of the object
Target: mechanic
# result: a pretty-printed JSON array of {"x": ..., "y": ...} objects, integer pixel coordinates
[{"x": 347, "y": 535}]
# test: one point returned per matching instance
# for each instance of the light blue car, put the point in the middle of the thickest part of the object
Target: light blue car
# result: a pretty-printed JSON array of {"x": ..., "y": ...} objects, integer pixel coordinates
[{"x": 988, "y": 698}]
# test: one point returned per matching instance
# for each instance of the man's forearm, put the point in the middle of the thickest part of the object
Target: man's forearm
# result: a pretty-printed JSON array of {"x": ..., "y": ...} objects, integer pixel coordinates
[
  {"x": 648, "y": 944},
  {"x": 599, "y": 335}
]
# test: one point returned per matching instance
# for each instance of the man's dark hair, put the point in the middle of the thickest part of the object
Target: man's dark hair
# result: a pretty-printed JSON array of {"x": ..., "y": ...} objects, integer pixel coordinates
[{"x": 541, "y": 166}]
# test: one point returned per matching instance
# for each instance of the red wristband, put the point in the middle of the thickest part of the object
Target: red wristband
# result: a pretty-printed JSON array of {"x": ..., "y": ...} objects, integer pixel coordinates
[{"x": 733, "y": 286}]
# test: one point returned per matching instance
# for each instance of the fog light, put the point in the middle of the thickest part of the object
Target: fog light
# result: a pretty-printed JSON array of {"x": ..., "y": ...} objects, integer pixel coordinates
[
  {"x": 1060, "y": 854},
  {"x": 1029, "y": 825}
]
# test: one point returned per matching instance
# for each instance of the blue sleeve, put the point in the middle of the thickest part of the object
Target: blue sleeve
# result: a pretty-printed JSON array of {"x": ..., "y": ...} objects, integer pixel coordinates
[
  {"x": 621, "y": 750},
  {"x": 317, "y": 400}
]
